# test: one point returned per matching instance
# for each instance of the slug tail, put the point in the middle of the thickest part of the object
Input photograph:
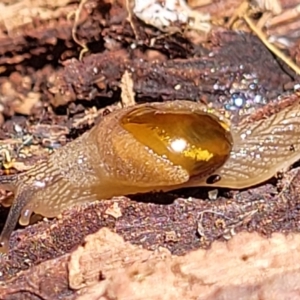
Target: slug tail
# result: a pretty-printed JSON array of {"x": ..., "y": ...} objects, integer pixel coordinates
[{"x": 21, "y": 199}]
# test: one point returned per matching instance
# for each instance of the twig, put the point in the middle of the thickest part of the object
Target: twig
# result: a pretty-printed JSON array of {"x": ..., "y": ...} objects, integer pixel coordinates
[
  {"x": 74, "y": 28},
  {"x": 270, "y": 46}
]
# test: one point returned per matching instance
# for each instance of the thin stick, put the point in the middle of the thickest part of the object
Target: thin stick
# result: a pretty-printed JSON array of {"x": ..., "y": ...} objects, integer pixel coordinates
[
  {"x": 270, "y": 46},
  {"x": 74, "y": 29}
]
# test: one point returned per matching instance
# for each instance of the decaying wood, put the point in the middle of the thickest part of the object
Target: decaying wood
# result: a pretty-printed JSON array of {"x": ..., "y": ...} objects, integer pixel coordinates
[
  {"x": 107, "y": 267},
  {"x": 60, "y": 96},
  {"x": 211, "y": 78}
]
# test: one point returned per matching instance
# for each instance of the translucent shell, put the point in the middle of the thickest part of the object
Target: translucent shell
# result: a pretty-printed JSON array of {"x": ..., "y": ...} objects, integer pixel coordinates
[{"x": 198, "y": 142}]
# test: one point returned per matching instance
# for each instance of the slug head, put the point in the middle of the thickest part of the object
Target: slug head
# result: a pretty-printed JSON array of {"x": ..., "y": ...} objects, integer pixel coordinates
[{"x": 197, "y": 141}]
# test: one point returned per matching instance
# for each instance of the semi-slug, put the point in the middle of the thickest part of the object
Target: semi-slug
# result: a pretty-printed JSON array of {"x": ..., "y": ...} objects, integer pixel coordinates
[{"x": 154, "y": 147}]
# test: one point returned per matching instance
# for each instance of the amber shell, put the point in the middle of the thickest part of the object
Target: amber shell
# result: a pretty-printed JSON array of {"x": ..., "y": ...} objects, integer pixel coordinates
[{"x": 196, "y": 141}]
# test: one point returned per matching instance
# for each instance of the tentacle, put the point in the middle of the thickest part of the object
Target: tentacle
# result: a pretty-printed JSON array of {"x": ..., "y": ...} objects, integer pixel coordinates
[{"x": 22, "y": 197}]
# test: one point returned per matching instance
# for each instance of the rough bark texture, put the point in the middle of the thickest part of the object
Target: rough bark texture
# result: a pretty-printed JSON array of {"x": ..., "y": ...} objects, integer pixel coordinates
[{"x": 107, "y": 267}]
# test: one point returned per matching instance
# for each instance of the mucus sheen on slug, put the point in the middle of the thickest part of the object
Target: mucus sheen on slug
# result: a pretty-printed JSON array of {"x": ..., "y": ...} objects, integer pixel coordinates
[
  {"x": 154, "y": 147},
  {"x": 147, "y": 147}
]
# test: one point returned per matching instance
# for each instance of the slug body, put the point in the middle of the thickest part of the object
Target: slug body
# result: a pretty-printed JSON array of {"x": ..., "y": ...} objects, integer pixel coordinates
[{"x": 154, "y": 147}]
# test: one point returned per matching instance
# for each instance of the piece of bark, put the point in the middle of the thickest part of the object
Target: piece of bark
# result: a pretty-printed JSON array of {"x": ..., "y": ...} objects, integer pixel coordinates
[
  {"x": 232, "y": 64},
  {"x": 247, "y": 267},
  {"x": 107, "y": 267}
]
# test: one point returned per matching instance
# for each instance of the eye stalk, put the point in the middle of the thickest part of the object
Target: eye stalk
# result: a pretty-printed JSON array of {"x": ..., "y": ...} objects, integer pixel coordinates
[{"x": 196, "y": 141}]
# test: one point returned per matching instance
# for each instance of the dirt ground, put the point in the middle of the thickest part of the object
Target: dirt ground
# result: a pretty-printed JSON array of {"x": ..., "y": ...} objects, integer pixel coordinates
[{"x": 61, "y": 64}]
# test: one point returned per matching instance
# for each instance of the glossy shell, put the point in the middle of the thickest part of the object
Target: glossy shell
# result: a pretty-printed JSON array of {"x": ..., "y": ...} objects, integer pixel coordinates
[{"x": 197, "y": 142}]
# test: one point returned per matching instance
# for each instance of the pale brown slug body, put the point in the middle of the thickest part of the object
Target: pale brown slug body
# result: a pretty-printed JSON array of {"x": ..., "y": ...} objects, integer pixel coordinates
[{"x": 154, "y": 147}]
